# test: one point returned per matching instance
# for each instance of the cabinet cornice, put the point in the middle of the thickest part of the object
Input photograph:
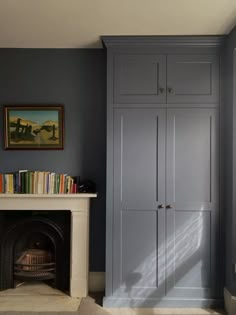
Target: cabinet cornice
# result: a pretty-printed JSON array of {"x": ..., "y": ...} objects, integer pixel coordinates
[{"x": 174, "y": 41}]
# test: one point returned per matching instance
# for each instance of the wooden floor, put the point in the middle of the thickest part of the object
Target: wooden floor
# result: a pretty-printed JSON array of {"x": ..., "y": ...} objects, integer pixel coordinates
[{"x": 92, "y": 306}]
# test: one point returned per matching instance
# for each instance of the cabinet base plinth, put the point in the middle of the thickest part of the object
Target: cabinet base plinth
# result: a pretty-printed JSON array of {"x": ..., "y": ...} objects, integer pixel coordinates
[{"x": 116, "y": 302}]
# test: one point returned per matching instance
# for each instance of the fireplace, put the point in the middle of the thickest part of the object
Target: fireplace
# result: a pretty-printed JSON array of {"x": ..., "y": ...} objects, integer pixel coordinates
[
  {"x": 45, "y": 238},
  {"x": 35, "y": 246}
]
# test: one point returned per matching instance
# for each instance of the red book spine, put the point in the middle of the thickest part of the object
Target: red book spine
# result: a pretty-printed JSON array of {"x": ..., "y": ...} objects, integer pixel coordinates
[{"x": 74, "y": 188}]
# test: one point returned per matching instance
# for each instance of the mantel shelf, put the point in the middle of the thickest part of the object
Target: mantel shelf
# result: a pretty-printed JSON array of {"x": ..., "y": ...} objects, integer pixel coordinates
[{"x": 46, "y": 202}]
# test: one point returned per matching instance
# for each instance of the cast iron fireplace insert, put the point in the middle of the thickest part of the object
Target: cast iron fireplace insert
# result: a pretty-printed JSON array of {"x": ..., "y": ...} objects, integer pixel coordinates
[{"x": 35, "y": 246}]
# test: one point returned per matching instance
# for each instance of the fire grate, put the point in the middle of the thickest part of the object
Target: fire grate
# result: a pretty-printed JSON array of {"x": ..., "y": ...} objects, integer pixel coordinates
[{"x": 35, "y": 264}]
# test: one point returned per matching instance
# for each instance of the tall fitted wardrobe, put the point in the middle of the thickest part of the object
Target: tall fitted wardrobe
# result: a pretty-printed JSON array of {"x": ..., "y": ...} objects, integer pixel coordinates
[{"x": 163, "y": 202}]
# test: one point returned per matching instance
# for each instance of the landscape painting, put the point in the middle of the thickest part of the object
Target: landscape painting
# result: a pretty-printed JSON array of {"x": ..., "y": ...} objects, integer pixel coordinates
[{"x": 34, "y": 127}]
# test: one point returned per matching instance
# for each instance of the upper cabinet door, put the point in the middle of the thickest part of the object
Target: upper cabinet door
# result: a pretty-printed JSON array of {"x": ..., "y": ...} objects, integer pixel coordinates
[
  {"x": 193, "y": 79},
  {"x": 139, "y": 78}
]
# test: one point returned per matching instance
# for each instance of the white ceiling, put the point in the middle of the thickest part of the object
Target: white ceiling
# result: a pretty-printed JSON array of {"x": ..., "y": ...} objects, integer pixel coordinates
[{"x": 80, "y": 23}]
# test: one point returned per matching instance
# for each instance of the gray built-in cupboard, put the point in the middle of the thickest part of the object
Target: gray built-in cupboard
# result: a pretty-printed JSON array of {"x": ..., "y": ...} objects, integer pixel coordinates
[{"x": 163, "y": 213}]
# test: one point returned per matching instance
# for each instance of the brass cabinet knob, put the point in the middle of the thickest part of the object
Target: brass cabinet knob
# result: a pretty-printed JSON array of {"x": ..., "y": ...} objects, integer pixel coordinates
[
  {"x": 161, "y": 90},
  {"x": 169, "y": 206},
  {"x": 161, "y": 206}
]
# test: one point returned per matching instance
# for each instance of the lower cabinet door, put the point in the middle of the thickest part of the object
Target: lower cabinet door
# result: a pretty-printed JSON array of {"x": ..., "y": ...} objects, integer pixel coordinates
[
  {"x": 166, "y": 207},
  {"x": 192, "y": 203},
  {"x": 139, "y": 187}
]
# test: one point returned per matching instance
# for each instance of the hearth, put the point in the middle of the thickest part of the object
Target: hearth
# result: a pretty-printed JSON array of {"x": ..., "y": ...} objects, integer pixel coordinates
[{"x": 35, "y": 246}]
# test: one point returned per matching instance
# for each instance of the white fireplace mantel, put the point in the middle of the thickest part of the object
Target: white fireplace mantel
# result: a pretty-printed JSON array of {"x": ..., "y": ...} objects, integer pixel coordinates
[{"x": 78, "y": 204}]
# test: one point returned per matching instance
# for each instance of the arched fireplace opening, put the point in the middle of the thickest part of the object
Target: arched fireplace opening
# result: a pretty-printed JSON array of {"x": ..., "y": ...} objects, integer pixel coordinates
[{"x": 35, "y": 248}]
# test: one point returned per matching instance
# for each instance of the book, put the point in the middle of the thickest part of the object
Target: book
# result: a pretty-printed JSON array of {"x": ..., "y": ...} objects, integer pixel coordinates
[
  {"x": 22, "y": 175},
  {"x": 1, "y": 183},
  {"x": 11, "y": 183},
  {"x": 40, "y": 182},
  {"x": 16, "y": 182}
]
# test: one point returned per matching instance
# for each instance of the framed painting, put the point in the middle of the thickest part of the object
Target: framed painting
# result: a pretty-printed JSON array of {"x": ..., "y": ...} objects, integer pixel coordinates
[{"x": 34, "y": 127}]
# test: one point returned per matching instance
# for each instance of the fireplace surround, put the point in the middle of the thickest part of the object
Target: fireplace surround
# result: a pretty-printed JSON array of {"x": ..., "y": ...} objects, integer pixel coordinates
[{"x": 78, "y": 207}]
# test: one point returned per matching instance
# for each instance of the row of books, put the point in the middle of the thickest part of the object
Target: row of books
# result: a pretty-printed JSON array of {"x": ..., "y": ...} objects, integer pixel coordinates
[{"x": 38, "y": 182}]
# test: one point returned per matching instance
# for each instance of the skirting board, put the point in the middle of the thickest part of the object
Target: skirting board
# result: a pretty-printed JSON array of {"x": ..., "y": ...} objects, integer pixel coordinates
[
  {"x": 96, "y": 281},
  {"x": 230, "y": 302}
]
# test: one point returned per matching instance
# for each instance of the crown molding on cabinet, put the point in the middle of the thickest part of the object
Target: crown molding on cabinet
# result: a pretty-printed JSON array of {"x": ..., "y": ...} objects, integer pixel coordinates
[{"x": 174, "y": 41}]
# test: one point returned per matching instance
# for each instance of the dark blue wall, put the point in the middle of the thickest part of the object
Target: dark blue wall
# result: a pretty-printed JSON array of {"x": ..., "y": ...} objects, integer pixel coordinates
[{"x": 77, "y": 79}]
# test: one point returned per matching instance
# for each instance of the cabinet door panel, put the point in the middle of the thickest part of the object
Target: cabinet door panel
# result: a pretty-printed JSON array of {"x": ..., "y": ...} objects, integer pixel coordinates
[
  {"x": 191, "y": 255},
  {"x": 192, "y": 190},
  {"x": 139, "y": 186},
  {"x": 193, "y": 79},
  {"x": 142, "y": 269},
  {"x": 139, "y": 157},
  {"x": 139, "y": 79}
]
